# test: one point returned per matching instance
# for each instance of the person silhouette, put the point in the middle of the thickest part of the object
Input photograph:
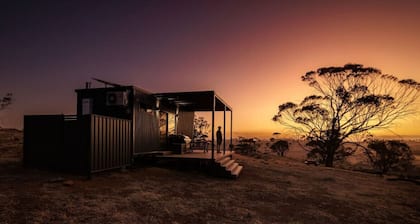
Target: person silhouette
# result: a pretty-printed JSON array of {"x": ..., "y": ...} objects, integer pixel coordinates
[{"x": 219, "y": 138}]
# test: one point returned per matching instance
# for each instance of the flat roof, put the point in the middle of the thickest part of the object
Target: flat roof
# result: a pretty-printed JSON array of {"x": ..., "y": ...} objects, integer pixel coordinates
[
  {"x": 188, "y": 101},
  {"x": 114, "y": 88},
  {"x": 194, "y": 101}
]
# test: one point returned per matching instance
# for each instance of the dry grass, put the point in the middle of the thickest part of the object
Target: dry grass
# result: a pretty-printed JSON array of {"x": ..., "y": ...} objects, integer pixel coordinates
[
  {"x": 11, "y": 141},
  {"x": 270, "y": 190}
]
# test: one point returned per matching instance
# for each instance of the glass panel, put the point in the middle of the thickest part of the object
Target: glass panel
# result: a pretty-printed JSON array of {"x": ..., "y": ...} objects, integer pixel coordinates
[
  {"x": 171, "y": 123},
  {"x": 163, "y": 125},
  {"x": 87, "y": 106},
  {"x": 166, "y": 127}
]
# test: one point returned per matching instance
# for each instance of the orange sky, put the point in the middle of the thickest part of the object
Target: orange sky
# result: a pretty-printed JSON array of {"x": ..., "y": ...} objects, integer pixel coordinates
[
  {"x": 251, "y": 53},
  {"x": 269, "y": 69}
]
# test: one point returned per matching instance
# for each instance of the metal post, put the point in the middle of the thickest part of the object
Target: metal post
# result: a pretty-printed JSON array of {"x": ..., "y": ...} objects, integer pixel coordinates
[
  {"x": 135, "y": 110},
  {"x": 212, "y": 127},
  {"x": 224, "y": 130},
  {"x": 176, "y": 118},
  {"x": 92, "y": 134},
  {"x": 231, "y": 122}
]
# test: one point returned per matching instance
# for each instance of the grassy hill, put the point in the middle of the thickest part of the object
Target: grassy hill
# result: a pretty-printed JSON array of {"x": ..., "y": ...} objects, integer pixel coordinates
[{"x": 270, "y": 190}]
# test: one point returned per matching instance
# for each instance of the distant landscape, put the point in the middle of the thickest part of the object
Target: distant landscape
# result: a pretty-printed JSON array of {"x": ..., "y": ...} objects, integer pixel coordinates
[{"x": 265, "y": 135}]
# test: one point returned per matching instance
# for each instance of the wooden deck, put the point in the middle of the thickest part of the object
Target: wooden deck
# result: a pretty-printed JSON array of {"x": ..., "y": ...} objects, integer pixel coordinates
[
  {"x": 197, "y": 154},
  {"x": 223, "y": 164}
]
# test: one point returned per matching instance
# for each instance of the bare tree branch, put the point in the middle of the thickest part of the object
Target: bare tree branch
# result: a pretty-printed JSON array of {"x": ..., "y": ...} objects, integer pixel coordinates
[{"x": 348, "y": 100}]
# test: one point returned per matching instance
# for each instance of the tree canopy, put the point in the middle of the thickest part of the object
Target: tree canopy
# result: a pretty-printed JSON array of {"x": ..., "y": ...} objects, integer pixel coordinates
[
  {"x": 201, "y": 126},
  {"x": 5, "y": 101},
  {"x": 348, "y": 101},
  {"x": 387, "y": 155},
  {"x": 280, "y": 147}
]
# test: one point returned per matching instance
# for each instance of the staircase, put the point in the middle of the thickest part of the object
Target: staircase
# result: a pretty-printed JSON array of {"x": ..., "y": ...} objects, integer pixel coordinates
[{"x": 227, "y": 167}]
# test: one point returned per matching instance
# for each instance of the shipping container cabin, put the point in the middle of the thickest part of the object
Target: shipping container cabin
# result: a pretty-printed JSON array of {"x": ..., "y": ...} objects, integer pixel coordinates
[
  {"x": 117, "y": 123},
  {"x": 124, "y": 102},
  {"x": 154, "y": 116}
]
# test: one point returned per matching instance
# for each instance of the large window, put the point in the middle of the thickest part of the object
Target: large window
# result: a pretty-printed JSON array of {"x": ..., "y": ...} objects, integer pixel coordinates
[
  {"x": 166, "y": 126},
  {"x": 171, "y": 123}
]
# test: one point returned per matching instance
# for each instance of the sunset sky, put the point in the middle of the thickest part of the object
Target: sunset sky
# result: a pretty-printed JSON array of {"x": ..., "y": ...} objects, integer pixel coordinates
[{"x": 252, "y": 53}]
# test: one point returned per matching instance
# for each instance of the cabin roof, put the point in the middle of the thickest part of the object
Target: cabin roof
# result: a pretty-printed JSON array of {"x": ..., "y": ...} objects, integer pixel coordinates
[
  {"x": 114, "y": 88},
  {"x": 194, "y": 101},
  {"x": 187, "y": 101}
]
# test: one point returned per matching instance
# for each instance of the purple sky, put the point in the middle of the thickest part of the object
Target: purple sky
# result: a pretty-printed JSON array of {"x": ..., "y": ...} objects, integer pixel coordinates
[{"x": 252, "y": 53}]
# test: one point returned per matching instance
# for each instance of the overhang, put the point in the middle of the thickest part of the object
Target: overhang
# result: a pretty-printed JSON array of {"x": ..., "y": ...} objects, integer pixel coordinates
[{"x": 194, "y": 101}]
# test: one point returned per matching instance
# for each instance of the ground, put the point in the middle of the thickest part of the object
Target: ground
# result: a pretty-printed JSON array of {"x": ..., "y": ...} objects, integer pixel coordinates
[{"x": 270, "y": 190}]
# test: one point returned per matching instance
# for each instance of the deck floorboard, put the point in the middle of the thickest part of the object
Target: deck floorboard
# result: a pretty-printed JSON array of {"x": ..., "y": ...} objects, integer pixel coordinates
[{"x": 198, "y": 154}]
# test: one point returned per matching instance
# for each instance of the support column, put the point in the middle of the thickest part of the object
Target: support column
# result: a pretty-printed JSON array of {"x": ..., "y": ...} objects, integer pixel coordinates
[
  {"x": 212, "y": 127},
  {"x": 176, "y": 118},
  {"x": 231, "y": 127},
  {"x": 135, "y": 111},
  {"x": 224, "y": 130},
  {"x": 157, "y": 117}
]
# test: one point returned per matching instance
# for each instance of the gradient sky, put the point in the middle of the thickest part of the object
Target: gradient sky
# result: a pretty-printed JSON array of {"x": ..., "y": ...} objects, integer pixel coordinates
[{"x": 252, "y": 53}]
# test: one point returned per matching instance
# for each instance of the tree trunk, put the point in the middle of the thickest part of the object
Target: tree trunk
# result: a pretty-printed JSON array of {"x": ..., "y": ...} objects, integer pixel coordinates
[
  {"x": 332, "y": 148},
  {"x": 330, "y": 159}
]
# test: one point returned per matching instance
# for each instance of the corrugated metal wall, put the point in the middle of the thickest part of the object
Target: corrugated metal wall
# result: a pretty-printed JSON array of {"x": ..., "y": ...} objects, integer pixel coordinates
[
  {"x": 111, "y": 141},
  {"x": 86, "y": 144},
  {"x": 147, "y": 138}
]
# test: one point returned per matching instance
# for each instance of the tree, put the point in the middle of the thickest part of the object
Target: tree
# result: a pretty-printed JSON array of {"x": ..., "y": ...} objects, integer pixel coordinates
[
  {"x": 281, "y": 147},
  {"x": 5, "y": 101},
  {"x": 319, "y": 153},
  {"x": 387, "y": 155},
  {"x": 201, "y": 126},
  {"x": 348, "y": 101}
]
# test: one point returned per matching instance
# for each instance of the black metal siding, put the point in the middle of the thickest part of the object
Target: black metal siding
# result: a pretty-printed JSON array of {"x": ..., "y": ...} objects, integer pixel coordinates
[
  {"x": 110, "y": 143},
  {"x": 43, "y": 141},
  {"x": 147, "y": 138},
  {"x": 99, "y": 106},
  {"x": 87, "y": 144}
]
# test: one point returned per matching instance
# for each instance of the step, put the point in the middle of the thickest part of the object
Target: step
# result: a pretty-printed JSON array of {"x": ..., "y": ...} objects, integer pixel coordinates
[
  {"x": 228, "y": 163},
  {"x": 224, "y": 160},
  {"x": 237, "y": 171},
  {"x": 232, "y": 167}
]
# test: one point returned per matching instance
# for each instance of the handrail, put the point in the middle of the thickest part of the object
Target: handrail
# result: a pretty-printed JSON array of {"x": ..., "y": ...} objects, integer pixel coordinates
[{"x": 70, "y": 117}]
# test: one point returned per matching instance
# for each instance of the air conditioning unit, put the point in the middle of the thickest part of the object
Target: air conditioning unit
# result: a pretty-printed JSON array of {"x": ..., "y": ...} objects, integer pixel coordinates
[{"x": 116, "y": 98}]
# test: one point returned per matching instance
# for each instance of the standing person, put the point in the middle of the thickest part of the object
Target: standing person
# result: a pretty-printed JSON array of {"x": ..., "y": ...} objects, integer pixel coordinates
[{"x": 219, "y": 138}]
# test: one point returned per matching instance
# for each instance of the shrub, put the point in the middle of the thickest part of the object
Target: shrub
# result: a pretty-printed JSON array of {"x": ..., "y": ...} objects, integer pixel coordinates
[
  {"x": 281, "y": 147},
  {"x": 319, "y": 152},
  {"x": 389, "y": 155}
]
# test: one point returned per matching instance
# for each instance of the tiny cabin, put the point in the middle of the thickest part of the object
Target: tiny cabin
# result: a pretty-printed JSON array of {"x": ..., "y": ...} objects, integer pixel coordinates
[
  {"x": 115, "y": 124},
  {"x": 136, "y": 105}
]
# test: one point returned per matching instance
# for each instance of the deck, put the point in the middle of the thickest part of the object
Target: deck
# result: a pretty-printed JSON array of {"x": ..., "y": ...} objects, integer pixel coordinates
[
  {"x": 198, "y": 154},
  {"x": 223, "y": 164}
]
